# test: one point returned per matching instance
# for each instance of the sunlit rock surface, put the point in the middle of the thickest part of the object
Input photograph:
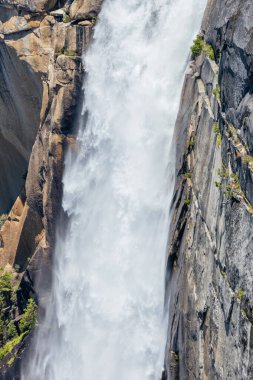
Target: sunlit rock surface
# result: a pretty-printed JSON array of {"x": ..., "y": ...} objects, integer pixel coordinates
[{"x": 41, "y": 73}]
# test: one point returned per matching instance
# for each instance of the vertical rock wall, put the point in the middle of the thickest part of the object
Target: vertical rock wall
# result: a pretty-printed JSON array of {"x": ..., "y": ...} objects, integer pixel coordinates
[
  {"x": 41, "y": 75},
  {"x": 211, "y": 248}
]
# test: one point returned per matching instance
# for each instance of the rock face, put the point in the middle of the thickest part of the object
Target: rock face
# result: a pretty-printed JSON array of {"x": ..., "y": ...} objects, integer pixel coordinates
[
  {"x": 211, "y": 247},
  {"x": 30, "y": 5},
  {"x": 41, "y": 74},
  {"x": 84, "y": 9}
]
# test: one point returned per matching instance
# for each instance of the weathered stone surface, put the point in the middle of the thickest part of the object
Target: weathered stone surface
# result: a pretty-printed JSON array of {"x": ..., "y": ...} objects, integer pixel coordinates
[
  {"x": 20, "y": 101},
  {"x": 41, "y": 74},
  {"x": 80, "y": 9},
  {"x": 211, "y": 251},
  {"x": 30, "y": 5}
]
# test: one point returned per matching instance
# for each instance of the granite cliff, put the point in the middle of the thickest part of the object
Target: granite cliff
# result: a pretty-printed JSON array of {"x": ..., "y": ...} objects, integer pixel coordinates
[
  {"x": 211, "y": 247},
  {"x": 41, "y": 74}
]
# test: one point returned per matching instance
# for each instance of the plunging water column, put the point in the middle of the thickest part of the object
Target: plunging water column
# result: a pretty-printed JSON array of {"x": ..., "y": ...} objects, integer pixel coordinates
[{"x": 107, "y": 316}]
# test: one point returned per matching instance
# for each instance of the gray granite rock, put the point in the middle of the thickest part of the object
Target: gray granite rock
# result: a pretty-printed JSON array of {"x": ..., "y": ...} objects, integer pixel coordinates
[{"x": 211, "y": 247}]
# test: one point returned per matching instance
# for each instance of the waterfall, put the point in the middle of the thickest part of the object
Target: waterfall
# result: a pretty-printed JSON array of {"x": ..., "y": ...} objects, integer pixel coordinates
[{"x": 107, "y": 318}]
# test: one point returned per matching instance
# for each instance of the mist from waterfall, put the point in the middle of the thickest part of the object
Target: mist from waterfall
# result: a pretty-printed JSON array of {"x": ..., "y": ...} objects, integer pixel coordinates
[{"x": 107, "y": 318}]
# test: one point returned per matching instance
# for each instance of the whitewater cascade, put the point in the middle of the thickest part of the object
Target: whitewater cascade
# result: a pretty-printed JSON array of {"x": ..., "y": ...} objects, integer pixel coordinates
[{"x": 107, "y": 317}]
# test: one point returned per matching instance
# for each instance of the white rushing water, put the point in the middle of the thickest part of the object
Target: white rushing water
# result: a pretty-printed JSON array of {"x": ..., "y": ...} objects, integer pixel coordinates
[{"x": 107, "y": 317}]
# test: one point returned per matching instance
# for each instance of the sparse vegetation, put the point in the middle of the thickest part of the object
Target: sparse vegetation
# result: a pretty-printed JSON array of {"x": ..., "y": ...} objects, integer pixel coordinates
[
  {"x": 216, "y": 128},
  {"x": 66, "y": 19},
  {"x": 247, "y": 159},
  {"x": 244, "y": 313},
  {"x": 217, "y": 92},
  {"x": 224, "y": 275},
  {"x": 208, "y": 50},
  {"x": 197, "y": 46},
  {"x": 223, "y": 172},
  {"x": 11, "y": 331},
  {"x": 200, "y": 46},
  {"x": 10, "y": 345},
  {"x": 3, "y": 219},
  {"x": 29, "y": 318},
  {"x": 250, "y": 209},
  {"x": 67, "y": 53},
  {"x": 240, "y": 294},
  {"x": 187, "y": 202},
  {"x": 5, "y": 283},
  {"x": 188, "y": 175},
  {"x": 192, "y": 143},
  {"x": 70, "y": 53}
]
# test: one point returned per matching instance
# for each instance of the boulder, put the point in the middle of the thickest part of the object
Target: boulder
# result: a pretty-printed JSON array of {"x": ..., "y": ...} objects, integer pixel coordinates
[{"x": 84, "y": 9}]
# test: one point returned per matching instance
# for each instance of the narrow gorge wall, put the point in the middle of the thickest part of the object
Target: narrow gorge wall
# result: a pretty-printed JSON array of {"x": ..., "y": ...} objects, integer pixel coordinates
[
  {"x": 211, "y": 250},
  {"x": 41, "y": 75}
]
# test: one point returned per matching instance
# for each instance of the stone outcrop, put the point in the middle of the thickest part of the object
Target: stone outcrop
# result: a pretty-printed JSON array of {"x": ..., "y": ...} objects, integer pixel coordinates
[
  {"x": 84, "y": 9},
  {"x": 211, "y": 248},
  {"x": 41, "y": 74},
  {"x": 30, "y": 5}
]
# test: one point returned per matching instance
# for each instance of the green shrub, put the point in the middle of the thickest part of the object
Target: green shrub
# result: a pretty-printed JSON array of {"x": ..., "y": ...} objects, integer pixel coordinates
[
  {"x": 224, "y": 172},
  {"x": 67, "y": 53},
  {"x": 187, "y": 202},
  {"x": 188, "y": 175},
  {"x": 66, "y": 19},
  {"x": 70, "y": 53},
  {"x": 208, "y": 50},
  {"x": 217, "y": 92},
  {"x": 6, "y": 283},
  {"x": 240, "y": 294},
  {"x": 235, "y": 178},
  {"x": 12, "y": 331},
  {"x": 197, "y": 46},
  {"x": 9, "y": 334},
  {"x": 11, "y": 361},
  {"x": 29, "y": 318},
  {"x": 9, "y": 346},
  {"x": 219, "y": 140},
  {"x": 3, "y": 219},
  {"x": 216, "y": 128}
]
